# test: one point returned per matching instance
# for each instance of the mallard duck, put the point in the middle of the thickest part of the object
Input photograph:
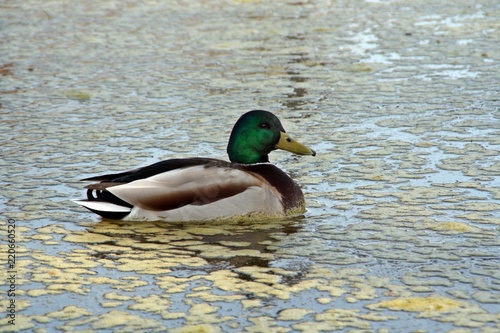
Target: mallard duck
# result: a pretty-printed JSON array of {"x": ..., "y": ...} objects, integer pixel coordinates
[{"x": 196, "y": 189}]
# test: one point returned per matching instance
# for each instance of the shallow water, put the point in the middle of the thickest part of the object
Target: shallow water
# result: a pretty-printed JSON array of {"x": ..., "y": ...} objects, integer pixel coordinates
[{"x": 399, "y": 99}]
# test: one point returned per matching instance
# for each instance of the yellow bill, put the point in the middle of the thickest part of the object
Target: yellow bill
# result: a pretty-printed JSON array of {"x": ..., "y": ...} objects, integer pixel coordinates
[{"x": 287, "y": 143}]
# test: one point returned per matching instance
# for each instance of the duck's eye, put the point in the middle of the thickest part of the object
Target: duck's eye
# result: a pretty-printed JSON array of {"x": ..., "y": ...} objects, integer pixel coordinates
[{"x": 265, "y": 125}]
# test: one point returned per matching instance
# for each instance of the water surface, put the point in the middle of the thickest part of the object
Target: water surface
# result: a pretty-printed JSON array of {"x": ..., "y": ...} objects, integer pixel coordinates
[{"x": 399, "y": 99}]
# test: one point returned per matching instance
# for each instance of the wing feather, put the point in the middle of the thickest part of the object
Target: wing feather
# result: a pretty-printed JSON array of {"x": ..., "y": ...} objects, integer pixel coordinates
[{"x": 196, "y": 185}]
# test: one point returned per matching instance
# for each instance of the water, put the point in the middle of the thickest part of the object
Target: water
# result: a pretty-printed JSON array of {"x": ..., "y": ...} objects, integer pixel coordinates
[{"x": 399, "y": 99}]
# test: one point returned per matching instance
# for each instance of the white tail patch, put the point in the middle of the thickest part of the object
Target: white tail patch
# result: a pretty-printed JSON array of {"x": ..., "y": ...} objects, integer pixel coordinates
[{"x": 102, "y": 206}]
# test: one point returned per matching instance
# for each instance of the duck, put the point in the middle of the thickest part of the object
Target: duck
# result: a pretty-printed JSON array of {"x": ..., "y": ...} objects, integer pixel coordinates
[{"x": 203, "y": 189}]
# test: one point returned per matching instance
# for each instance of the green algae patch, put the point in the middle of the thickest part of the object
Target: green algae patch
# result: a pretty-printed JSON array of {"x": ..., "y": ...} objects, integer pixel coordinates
[
  {"x": 457, "y": 227},
  {"x": 78, "y": 95},
  {"x": 420, "y": 304}
]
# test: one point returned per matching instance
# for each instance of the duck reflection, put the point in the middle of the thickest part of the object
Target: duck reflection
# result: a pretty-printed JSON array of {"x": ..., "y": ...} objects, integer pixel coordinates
[{"x": 160, "y": 248}]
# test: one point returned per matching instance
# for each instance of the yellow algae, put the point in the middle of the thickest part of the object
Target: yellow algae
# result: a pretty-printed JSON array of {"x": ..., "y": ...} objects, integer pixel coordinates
[
  {"x": 116, "y": 297},
  {"x": 419, "y": 304},
  {"x": 42, "y": 237},
  {"x": 186, "y": 243},
  {"x": 224, "y": 279},
  {"x": 376, "y": 317},
  {"x": 472, "y": 320},
  {"x": 260, "y": 274},
  {"x": 152, "y": 303},
  {"x": 79, "y": 271},
  {"x": 331, "y": 289},
  {"x": 111, "y": 304},
  {"x": 228, "y": 281},
  {"x": 481, "y": 218},
  {"x": 33, "y": 208},
  {"x": 173, "y": 315},
  {"x": 209, "y": 297},
  {"x": 42, "y": 292},
  {"x": 359, "y": 67},
  {"x": 339, "y": 318},
  {"x": 377, "y": 177},
  {"x": 251, "y": 253},
  {"x": 170, "y": 284},
  {"x": 293, "y": 314},
  {"x": 149, "y": 266},
  {"x": 453, "y": 227},
  {"x": 69, "y": 312},
  {"x": 22, "y": 323},
  {"x": 424, "y": 144},
  {"x": 139, "y": 245},
  {"x": 208, "y": 231},
  {"x": 217, "y": 251},
  {"x": 103, "y": 280},
  {"x": 421, "y": 289},
  {"x": 247, "y": 1},
  {"x": 364, "y": 292},
  {"x": 106, "y": 248},
  {"x": 77, "y": 261},
  {"x": 486, "y": 297},
  {"x": 77, "y": 289},
  {"x": 201, "y": 309},
  {"x": 52, "y": 229},
  {"x": 202, "y": 328},
  {"x": 235, "y": 244},
  {"x": 377, "y": 282},
  {"x": 130, "y": 286},
  {"x": 21, "y": 304},
  {"x": 264, "y": 324},
  {"x": 307, "y": 284},
  {"x": 87, "y": 237},
  {"x": 55, "y": 275},
  {"x": 77, "y": 95},
  {"x": 475, "y": 206},
  {"x": 116, "y": 318},
  {"x": 251, "y": 303},
  {"x": 41, "y": 319},
  {"x": 321, "y": 273},
  {"x": 324, "y": 300},
  {"x": 131, "y": 278},
  {"x": 350, "y": 274},
  {"x": 207, "y": 318},
  {"x": 312, "y": 327}
]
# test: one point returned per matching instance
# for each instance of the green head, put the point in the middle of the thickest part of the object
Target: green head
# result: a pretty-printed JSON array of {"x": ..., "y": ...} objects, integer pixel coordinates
[{"x": 256, "y": 134}]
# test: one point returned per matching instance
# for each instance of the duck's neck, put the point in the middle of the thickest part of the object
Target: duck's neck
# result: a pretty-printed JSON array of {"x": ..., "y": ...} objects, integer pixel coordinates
[{"x": 247, "y": 157}]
